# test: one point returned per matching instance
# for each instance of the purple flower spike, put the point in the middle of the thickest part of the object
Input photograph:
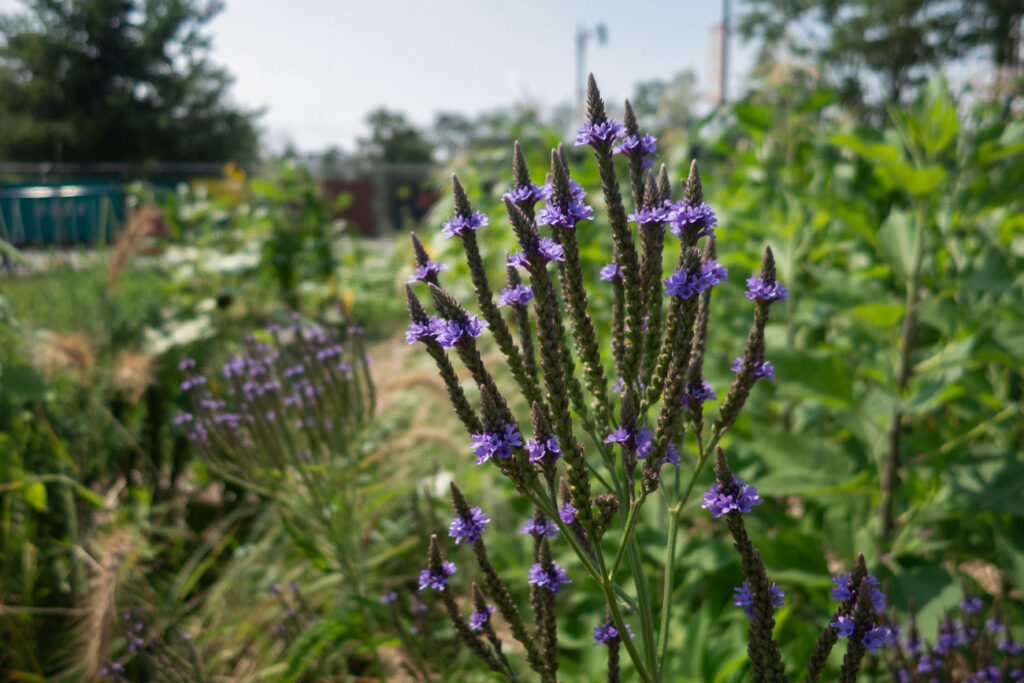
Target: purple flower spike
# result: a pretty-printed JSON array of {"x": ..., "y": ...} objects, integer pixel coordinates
[
  {"x": 685, "y": 218},
  {"x": 607, "y": 634},
  {"x": 551, "y": 577},
  {"x": 696, "y": 394},
  {"x": 611, "y": 273},
  {"x": 971, "y": 605},
  {"x": 543, "y": 450},
  {"x": 458, "y": 225},
  {"x": 567, "y": 513},
  {"x": 600, "y": 134},
  {"x": 520, "y": 296},
  {"x": 564, "y": 216},
  {"x": 547, "y": 248},
  {"x": 428, "y": 269},
  {"x": 487, "y": 445},
  {"x": 878, "y": 637},
  {"x": 438, "y": 580},
  {"x": 646, "y": 147},
  {"x": 685, "y": 285},
  {"x": 478, "y": 619},
  {"x": 544, "y": 528},
  {"x": 450, "y": 332},
  {"x": 762, "y": 369},
  {"x": 719, "y": 502},
  {"x": 743, "y": 598},
  {"x": 468, "y": 529},
  {"x": 423, "y": 331},
  {"x": 527, "y": 195},
  {"x": 758, "y": 290},
  {"x": 845, "y": 590},
  {"x": 389, "y": 597},
  {"x": 657, "y": 214},
  {"x": 844, "y": 625}
]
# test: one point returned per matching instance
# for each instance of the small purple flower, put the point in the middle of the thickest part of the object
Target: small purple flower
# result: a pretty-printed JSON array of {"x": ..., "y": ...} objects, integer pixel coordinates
[
  {"x": 567, "y": 513},
  {"x": 546, "y": 248},
  {"x": 927, "y": 664},
  {"x": 972, "y": 605},
  {"x": 685, "y": 285},
  {"x": 611, "y": 272},
  {"x": 696, "y": 394},
  {"x": 761, "y": 291},
  {"x": 450, "y": 332},
  {"x": 844, "y": 625},
  {"x": 646, "y": 147},
  {"x": 542, "y": 449},
  {"x": 846, "y": 591},
  {"x": 1008, "y": 646},
  {"x": 743, "y": 598},
  {"x": 993, "y": 625},
  {"x": 427, "y": 270},
  {"x": 528, "y": 195},
  {"x": 438, "y": 580},
  {"x": 878, "y": 637},
  {"x": 600, "y": 134},
  {"x": 423, "y": 331},
  {"x": 685, "y": 218},
  {"x": 672, "y": 455},
  {"x": 656, "y": 214},
  {"x": 468, "y": 529},
  {"x": 457, "y": 225},
  {"x": 551, "y": 577},
  {"x": 478, "y": 619},
  {"x": 543, "y": 528},
  {"x": 389, "y": 597},
  {"x": 275, "y": 588},
  {"x": 186, "y": 363},
  {"x": 183, "y": 418},
  {"x": 719, "y": 502},
  {"x": 520, "y": 295},
  {"x": 639, "y": 439},
  {"x": 564, "y": 216},
  {"x": 607, "y": 634},
  {"x": 762, "y": 369},
  {"x": 486, "y": 445}
]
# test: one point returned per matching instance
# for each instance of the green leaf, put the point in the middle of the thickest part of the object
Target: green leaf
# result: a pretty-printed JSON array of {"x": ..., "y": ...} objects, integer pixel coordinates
[
  {"x": 812, "y": 374},
  {"x": 22, "y": 382},
  {"x": 875, "y": 152},
  {"x": 915, "y": 181},
  {"x": 896, "y": 242},
  {"x": 882, "y": 315},
  {"x": 34, "y": 493}
]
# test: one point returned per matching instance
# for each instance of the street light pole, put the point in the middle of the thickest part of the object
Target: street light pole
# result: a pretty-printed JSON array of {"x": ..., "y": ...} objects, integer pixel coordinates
[{"x": 582, "y": 36}]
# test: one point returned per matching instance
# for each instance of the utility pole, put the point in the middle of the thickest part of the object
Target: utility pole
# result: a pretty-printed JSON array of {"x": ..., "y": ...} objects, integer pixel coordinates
[
  {"x": 724, "y": 75},
  {"x": 582, "y": 36}
]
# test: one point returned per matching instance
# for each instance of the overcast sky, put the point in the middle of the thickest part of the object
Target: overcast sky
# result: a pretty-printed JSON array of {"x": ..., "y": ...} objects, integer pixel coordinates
[{"x": 318, "y": 67}]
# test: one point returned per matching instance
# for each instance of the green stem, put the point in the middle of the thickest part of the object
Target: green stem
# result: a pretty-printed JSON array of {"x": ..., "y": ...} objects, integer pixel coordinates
[
  {"x": 627, "y": 532},
  {"x": 607, "y": 586},
  {"x": 666, "y": 591},
  {"x": 643, "y": 597}
]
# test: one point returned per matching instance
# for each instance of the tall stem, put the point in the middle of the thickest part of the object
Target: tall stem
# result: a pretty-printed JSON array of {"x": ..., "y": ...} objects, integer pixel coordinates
[{"x": 890, "y": 478}]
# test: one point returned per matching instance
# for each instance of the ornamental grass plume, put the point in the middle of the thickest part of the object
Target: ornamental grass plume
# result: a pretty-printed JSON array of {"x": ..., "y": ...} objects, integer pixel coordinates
[{"x": 592, "y": 451}]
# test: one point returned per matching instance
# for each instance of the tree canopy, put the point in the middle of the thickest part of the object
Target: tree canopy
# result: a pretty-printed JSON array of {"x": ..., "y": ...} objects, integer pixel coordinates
[{"x": 116, "y": 80}]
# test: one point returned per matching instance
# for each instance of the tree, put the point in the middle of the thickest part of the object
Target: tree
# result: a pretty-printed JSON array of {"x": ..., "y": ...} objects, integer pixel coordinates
[
  {"x": 394, "y": 140},
  {"x": 116, "y": 80},
  {"x": 876, "y": 50},
  {"x": 663, "y": 107}
]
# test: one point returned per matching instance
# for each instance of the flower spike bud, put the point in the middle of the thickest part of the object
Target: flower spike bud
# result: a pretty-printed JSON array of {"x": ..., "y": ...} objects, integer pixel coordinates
[
  {"x": 446, "y": 304},
  {"x": 768, "y": 266},
  {"x": 693, "y": 192},
  {"x": 422, "y": 258},
  {"x": 630, "y": 409},
  {"x": 664, "y": 186},
  {"x": 563, "y": 156},
  {"x": 650, "y": 192},
  {"x": 595, "y": 105},
  {"x": 520, "y": 170},
  {"x": 459, "y": 502},
  {"x": 629, "y": 120},
  {"x": 560, "y": 190},
  {"x": 862, "y": 622},
  {"x": 459, "y": 198},
  {"x": 416, "y": 310}
]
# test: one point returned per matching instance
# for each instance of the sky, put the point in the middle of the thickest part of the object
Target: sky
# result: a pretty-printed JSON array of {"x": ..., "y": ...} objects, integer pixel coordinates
[{"x": 318, "y": 67}]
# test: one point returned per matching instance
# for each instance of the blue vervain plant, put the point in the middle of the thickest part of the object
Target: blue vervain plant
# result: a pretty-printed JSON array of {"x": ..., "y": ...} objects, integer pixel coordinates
[{"x": 653, "y": 415}]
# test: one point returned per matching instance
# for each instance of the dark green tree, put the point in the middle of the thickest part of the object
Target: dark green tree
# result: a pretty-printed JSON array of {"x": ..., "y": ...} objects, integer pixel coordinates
[
  {"x": 393, "y": 139},
  {"x": 116, "y": 80},
  {"x": 877, "y": 50}
]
